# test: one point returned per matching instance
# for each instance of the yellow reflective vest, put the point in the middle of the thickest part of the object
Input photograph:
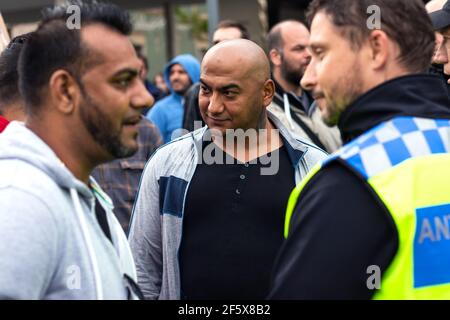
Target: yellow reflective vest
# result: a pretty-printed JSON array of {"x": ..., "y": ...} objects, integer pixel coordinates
[{"x": 406, "y": 161}]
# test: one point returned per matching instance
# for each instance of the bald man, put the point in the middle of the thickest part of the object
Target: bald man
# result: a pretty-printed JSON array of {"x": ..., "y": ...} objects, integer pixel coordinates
[
  {"x": 226, "y": 30},
  {"x": 207, "y": 223},
  {"x": 289, "y": 56}
]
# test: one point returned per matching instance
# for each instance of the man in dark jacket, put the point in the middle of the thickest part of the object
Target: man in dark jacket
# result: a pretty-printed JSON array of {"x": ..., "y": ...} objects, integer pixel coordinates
[
  {"x": 289, "y": 56},
  {"x": 358, "y": 227}
]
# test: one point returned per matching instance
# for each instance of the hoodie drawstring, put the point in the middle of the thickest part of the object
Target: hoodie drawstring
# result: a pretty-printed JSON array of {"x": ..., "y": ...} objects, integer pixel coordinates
[
  {"x": 87, "y": 239},
  {"x": 287, "y": 111}
]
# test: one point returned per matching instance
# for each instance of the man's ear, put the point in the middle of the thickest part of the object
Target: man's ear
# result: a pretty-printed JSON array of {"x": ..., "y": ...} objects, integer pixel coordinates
[
  {"x": 64, "y": 91},
  {"x": 268, "y": 92},
  {"x": 380, "y": 49},
  {"x": 275, "y": 57}
]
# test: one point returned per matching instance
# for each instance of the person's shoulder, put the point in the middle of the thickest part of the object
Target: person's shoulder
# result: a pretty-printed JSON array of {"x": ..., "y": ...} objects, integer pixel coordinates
[
  {"x": 29, "y": 192},
  {"x": 314, "y": 148},
  {"x": 148, "y": 129},
  {"x": 174, "y": 151},
  {"x": 277, "y": 110},
  {"x": 163, "y": 107},
  {"x": 313, "y": 153},
  {"x": 34, "y": 187},
  {"x": 22, "y": 175},
  {"x": 167, "y": 100}
]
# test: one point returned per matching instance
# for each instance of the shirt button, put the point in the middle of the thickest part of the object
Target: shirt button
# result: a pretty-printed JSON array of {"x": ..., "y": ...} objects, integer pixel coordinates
[
  {"x": 242, "y": 177},
  {"x": 237, "y": 191},
  {"x": 246, "y": 165}
]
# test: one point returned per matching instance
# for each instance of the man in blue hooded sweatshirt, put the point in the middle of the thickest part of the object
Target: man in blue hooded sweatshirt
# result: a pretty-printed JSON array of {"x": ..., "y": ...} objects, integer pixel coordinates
[{"x": 179, "y": 74}]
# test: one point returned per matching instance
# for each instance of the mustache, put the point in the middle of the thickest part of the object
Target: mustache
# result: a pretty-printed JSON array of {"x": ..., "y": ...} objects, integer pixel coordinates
[
  {"x": 317, "y": 95},
  {"x": 132, "y": 120}
]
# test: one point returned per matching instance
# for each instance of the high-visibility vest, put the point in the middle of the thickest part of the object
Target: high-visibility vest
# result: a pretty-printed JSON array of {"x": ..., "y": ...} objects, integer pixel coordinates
[{"x": 406, "y": 161}]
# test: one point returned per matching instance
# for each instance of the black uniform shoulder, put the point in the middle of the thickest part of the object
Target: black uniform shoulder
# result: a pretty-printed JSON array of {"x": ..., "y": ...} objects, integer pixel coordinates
[{"x": 338, "y": 230}]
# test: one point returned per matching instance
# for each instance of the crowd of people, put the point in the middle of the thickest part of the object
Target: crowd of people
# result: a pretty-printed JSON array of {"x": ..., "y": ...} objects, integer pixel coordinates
[{"x": 317, "y": 167}]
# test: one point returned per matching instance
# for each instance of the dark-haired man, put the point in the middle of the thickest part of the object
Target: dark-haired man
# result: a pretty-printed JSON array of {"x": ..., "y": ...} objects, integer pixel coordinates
[
  {"x": 11, "y": 104},
  {"x": 83, "y": 96},
  {"x": 371, "y": 221},
  {"x": 229, "y": 30}
]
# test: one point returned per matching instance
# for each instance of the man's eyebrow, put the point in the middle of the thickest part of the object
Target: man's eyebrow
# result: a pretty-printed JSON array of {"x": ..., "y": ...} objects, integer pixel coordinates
[
  {"x": 230, "y": 86},
  {"x": 127, "y": 71},
  {"x": 314, "y": 46},
  {"x": 300, "y": 45},
  {"x": 225, "y": 87}
]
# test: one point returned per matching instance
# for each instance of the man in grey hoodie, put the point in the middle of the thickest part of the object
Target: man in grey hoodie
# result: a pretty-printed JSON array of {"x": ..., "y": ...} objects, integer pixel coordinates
[{"x": 83, "y": 99}]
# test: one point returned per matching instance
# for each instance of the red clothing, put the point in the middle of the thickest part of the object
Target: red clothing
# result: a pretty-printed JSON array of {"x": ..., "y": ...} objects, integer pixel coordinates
[{"x": 3, "y": 123}]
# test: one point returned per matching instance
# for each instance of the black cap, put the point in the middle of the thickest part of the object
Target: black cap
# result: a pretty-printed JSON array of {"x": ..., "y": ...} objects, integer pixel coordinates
[{"x": 441, "y": 18}]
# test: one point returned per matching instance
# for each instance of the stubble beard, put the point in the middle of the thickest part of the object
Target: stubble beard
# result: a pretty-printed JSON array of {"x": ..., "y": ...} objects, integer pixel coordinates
[
  {"x": 344, "y": 92},
  {"x": 101, "y": 129}
]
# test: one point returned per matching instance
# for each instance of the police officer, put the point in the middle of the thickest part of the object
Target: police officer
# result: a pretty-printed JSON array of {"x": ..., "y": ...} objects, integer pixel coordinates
[{"x": 372, "y": 220}]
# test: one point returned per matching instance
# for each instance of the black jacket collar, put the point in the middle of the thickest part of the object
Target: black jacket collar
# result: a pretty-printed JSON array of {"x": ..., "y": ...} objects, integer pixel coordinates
[
  {"x": 293, "y": 101},
  {"x": 421, "y": 95}
]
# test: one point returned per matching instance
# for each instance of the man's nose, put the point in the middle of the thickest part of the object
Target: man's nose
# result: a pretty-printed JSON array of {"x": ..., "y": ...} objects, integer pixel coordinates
[
  {"x": 215, "y": 105},
  {"x": 174, "y": 76},
  {"x": 309, "y": 80},
  {"x": 440, "y": 54},
  {"x": 307, "y": 56},
  {"x": 142, "y": 98}
]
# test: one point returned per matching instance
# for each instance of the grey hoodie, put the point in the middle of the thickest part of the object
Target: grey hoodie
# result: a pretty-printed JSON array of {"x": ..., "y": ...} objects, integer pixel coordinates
[{"x": 51, "y": 245}]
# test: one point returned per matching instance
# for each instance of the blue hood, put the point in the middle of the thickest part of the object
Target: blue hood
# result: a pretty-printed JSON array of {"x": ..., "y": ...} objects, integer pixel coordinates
[{"x": 189, "y": 63}]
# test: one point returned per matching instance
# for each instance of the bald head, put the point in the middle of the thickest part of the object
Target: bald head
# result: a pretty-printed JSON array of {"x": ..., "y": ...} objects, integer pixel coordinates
[
  {"x": 277, "y": 35},
  {"x": 241, "y": 57},
  {"x": 435, "y": 5},
  {"x": 235, "y": 86},
  {"x": 287, "y": 44}
]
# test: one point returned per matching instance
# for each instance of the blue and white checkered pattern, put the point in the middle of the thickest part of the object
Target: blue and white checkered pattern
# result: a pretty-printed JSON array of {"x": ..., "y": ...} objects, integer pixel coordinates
[{"x": 395, "y": 141}]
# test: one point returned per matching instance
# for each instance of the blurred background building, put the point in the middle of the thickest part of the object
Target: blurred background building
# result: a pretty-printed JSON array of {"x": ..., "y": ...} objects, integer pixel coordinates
[{"x": 166, "y": 28}]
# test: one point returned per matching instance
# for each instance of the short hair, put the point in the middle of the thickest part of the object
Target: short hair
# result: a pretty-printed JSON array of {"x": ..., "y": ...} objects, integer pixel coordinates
[
  {"x": 234, "y": 24},
  {"x": 140, "y": 55},
  {"x": 404, "y": 21},
  {"x": 54, "y": 46},
  {"x": 9, "y": 76},
  {"x": 274, "y": 39}
]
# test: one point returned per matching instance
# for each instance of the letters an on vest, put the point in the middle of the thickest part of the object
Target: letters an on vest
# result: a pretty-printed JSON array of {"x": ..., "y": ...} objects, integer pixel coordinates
[{"x": 432, "y": 246}]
